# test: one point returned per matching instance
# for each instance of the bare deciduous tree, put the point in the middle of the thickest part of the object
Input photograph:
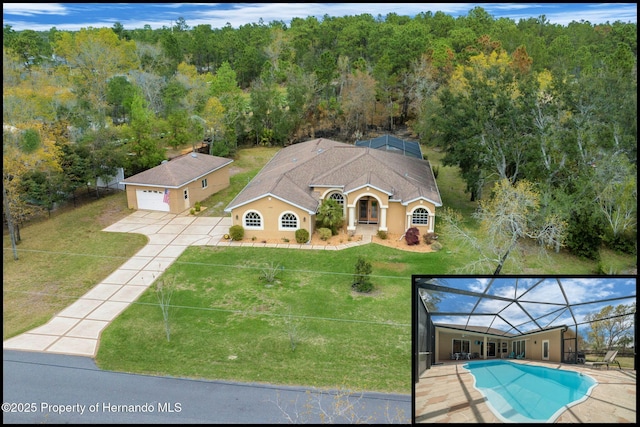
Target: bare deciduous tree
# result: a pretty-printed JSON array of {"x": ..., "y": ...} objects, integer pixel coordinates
[
  {"x": 509, "y": 217},
  {"x": 164, "y": 290}
]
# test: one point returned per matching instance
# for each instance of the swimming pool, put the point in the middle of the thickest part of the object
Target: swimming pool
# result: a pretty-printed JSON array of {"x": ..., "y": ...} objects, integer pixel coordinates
[{"x": 528, "y": 394}]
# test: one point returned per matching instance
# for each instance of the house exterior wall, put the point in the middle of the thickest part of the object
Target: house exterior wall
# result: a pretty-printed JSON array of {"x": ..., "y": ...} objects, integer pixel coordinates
[
  {"x": 533, "y": 344},
  {"x": 216, "y": 181},
  {"x": 396, "y": 218},
  {"x": 271, "y": 210},
  {"x": 445, "y": 343}
]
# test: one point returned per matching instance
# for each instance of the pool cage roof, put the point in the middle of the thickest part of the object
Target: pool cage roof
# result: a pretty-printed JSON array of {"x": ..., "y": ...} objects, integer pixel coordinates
[{"x": 514, "y": 306}]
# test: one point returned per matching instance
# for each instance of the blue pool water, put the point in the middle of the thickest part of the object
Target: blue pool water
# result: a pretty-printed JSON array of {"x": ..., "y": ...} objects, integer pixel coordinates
[{"x": 528, "y": 394}]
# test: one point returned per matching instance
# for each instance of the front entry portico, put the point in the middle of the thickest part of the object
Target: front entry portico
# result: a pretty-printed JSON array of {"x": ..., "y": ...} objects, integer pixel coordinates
[{"x": 367, "y": 210}]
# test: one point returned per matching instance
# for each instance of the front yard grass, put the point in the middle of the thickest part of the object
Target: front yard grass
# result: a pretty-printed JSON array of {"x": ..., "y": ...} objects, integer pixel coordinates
[
  {"x": 60, "y": 259},
  {"x": 307, "y": 328}
]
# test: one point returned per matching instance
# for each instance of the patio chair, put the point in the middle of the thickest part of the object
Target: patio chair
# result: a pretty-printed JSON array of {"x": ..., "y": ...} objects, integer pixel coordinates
[
  {"x": 520, "y": 356},
  {"x": 512, "y": 355},
  {"x": 609, "y": 359}
]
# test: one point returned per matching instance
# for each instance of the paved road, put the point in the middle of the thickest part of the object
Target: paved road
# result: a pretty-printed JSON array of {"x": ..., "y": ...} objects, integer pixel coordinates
[{"x": 57, "y": 389}]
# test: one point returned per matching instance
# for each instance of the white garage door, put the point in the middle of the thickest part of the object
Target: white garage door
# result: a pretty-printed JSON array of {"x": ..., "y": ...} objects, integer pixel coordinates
[{"x": 151, "y": 200}]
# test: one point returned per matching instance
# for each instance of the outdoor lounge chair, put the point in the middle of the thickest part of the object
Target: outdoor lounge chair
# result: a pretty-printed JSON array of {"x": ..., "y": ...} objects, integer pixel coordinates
[
  {"x": 512, "y": 355},
  {"x": 609, "y": 359},
  {"x": 520, "y": 356}
]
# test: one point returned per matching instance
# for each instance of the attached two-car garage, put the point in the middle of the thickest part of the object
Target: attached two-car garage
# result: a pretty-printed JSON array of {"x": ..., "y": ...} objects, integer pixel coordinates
[{"x": 151, "y": 200}]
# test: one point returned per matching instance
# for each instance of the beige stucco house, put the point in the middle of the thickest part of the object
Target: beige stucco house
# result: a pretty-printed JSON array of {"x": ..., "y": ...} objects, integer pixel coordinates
[
  {"x": 175, "y": 186},
  {"x": 489, "y": 343},
  {"x": 391, "y": 191}
]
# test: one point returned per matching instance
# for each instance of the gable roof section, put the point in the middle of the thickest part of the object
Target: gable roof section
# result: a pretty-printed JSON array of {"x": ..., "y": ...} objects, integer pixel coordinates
[
  {"x": 294, "y": 171},
  {"x": 393, "y": 144},
  {"x": 179, "y": 171}
]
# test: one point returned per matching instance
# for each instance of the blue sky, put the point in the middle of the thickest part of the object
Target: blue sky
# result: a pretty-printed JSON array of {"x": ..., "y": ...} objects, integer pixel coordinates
[
  {"x": 74, "y": 16},
  {"x": 582, "y": 291}
]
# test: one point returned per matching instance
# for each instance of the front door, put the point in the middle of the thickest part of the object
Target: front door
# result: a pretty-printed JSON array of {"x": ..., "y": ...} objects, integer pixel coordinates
[{"x": 368, "y": 211}]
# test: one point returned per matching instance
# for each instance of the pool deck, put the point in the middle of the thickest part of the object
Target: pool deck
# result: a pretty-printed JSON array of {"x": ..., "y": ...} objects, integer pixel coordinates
[{"x": 445, "y": 394}]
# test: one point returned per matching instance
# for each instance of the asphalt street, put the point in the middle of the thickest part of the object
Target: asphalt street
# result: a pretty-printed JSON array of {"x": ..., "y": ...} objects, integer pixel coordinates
[{"x": 40, "y": 388}]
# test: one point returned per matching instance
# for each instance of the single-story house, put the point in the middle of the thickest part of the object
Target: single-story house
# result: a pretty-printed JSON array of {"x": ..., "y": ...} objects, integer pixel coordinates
[
  {"x": 546, "y": 344},
  {"x": 175, "y": 186},
  {"x": 392, "y": 143},
  {"x": 392, "y": 191}
]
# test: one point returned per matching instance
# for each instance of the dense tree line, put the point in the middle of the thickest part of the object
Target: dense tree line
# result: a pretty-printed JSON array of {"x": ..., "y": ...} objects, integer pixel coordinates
[{"x": 518, "y": 101}]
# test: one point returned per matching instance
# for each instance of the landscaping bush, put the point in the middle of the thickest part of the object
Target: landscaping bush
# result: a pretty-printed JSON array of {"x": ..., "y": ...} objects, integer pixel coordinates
[
  {"x": 361, "y": 280},
  {"x": 324, "y": 233},
  {"x": 302, "y": 235},
  {"x": 382, "y": 234},
  {"x": 436, "y": 246},
  {"x": 429, "y": 238},
  {"x": 236, "y": 232},
  {"x": 198, "y": 206},
  {"x": 330, "y": 216},
  {"x": 412, "y": 236}
]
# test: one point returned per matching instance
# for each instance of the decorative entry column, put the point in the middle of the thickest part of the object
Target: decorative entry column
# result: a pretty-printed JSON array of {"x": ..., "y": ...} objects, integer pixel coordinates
[
  {"x": 383, "y": 218},
  {"x": 352, "y": 219}
]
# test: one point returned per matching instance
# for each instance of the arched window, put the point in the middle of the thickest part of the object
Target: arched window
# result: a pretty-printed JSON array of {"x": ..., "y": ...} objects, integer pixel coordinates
[
  {"x": 420, "y": 217},
  {"x": 289, "y": 220},
  {"x": 252, "y": 219},
  {"x": 338, "y": 197}
]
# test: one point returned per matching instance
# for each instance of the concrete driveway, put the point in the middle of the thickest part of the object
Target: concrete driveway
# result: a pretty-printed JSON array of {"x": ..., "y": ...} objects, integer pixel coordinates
[{"x": 76, "y": 329}]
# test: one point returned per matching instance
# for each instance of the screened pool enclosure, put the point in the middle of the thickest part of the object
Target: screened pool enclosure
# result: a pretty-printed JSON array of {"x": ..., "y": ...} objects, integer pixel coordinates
[{"x": 537, "y": 318}]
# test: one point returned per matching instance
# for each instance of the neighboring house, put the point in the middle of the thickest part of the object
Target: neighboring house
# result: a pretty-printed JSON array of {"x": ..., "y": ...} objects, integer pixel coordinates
[
  {"x": 547, "y": 344},
  {"x": 114, "y": 181},
  {"x": 393, "y": 144},
  {"x": 392, "y": 191},
  {"x": 175, "y": 186}
]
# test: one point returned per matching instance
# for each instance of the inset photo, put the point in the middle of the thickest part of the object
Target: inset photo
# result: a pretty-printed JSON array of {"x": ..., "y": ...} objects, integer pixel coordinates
[{"x": 524, "y": 349}]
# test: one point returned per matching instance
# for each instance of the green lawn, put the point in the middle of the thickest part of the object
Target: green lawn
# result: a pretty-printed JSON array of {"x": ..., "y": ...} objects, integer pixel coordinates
[
  {"x": 228, "y": 324},
  {"x": 625, "y": 362},
  {"x": 60, "y": 259}
]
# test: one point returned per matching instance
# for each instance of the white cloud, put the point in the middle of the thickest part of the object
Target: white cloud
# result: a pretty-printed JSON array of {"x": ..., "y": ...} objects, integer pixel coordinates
[{"x": 32, "y": 9}]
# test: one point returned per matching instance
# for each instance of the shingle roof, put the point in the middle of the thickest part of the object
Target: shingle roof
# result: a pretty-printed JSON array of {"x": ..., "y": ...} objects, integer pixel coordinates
[
  {"x": 293, "y": 172},
  {"x": 179, "y": 171},
  {"x": 391, "y": 143}
]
